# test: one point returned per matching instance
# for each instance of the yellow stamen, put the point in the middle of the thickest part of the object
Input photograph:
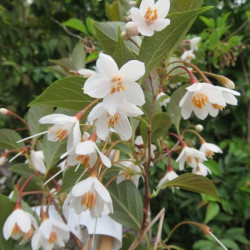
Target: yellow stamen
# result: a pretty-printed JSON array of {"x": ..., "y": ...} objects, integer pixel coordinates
[
  {"x": 150, "y": 15},
  {"x": 199, "y": 100},
  {"x": 216, "y": 106},
  {"x": 16, "y": 230},
  {"x": 61, "y": 133},
  {"x": 83, "y": 159},
  {"x": 128, "y": 174},
  {"x": 113, "y": 119},
  {"x": 88, "y": 200},
  {"x": 117, "y": 85},
  {"x": 28, "y": 235},
  {"x": 52, "y": 238},
  {"x": 209, "y": 154}
]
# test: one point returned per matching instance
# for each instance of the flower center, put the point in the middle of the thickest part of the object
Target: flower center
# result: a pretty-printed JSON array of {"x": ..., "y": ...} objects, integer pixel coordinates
[
  {"x": 83, "y": 159},
  {"x": 113, "y": 119},
  {"x": 52, "y": 238},
  {"x": 150, "y": 15},
  {"x": 128, "y": 174},
  {"x": 16, "y": 230},
  {"x": 216, "y": 106},
  {"x": 61, "y": 133},
  {"x": 117, "y": 85},
  {"x": 28, "y": 235},
  {"x": 88, "y": 200},
  {"x": 199, "y": 100},
  {"x": 209, "y": 154}
]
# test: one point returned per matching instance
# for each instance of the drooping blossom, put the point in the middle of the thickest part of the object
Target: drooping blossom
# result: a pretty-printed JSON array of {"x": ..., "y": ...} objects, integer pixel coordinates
[
  {"x": 150, "y": 16},
  {"x": 190, "y": 155},
  {"x": 201, "y": 169},
  {"x": 37, "y": 160},
  {"x": 209, "y": 149},
  {"x": 19, "y": 224},
  {"x": 51, "y": 233},
  {"x": 90, "y": 194},
  {"x": 194, "y": 43},
  {"x": 130, "y": 171},
  {"x": 187, "y": 56},
  {"x": 204, "y": 99},
  {"x": 169, "y": 176},
  {"x": 163, "y": 99},
  {"x": 115, "y": 84},
  {"x": 86, "y": 72},
  {"x": 140, "y": 148},
  {"x": 104, "y": 121}
]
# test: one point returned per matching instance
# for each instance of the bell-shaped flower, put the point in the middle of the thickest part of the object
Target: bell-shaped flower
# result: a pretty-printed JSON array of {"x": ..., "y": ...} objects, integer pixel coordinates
[
  {"x": 209, "y": 149},
  {"x": 169, "y": 176},
  {"x": 115, "y": 84},
  {"x": 194, "y": 43},
  {"x": 50, "y": 233},
  {"x": 64, "y": 126},
  {"x": 201, "y": 169},
  {"x": 19, "y": 224},
  {"x": 190, "y": 155},
  {"x": 104, "y": 120},
  {"x": 87, "y": 154},
  {"x": 163, "y": 99},
  {"x": 37, "y": 160},
  {"x": 90, "y": 194},
  {"x": 228, "y": 96},
  {"x": 130, "y": 171},
  {"x": 86, "y": 72},
  {"x": 187, "y": 56},
  {"x": 150, "y": 17}
]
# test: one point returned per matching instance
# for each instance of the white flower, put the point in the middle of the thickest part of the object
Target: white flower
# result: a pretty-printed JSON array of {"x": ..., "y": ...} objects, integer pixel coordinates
[
  {"x": 169, "y": 176},
  {"x": 187, "y": 56},
  {"x": 139, "y": 148},
  {"x": 209, "y": 149},
  {"x": 87, "y": 153},
  {"x": 64, "y": 126},
  {"x": 194, "y": 43},
  {"x": 3, "y": 159},
  {"x": 163, "y": 99},
  {"x": 190, "y": 155},
  {"x": 119, "y": 120},
  {"x": 115, "y": 84},
  {"x": 130, "y": 172},
  {"x": 37, "y": 160},
  {"x": 150, "y": 16},
  {"x": 51, "y": 232},
  {"x": 131, "y": 29},
  {"x": 86, "y": 72},
  {"x": 19, "y": 224},
  {"x": 201, "y": 169},
  {"x": 228, "y": 95},
  {"x": 92, "y": 195}
]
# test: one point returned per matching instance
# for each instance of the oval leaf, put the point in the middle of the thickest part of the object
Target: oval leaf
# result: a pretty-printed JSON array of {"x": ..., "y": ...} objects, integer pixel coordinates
[{"x": 8, "y": 139}]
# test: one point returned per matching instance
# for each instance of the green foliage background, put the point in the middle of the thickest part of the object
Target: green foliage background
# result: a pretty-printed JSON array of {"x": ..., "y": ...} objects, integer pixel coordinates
[{"x": 30, "y": 38}]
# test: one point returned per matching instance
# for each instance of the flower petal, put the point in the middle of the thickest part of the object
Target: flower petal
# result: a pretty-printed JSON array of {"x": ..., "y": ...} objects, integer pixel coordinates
[
  {"x": 145, "y": 4},
  {"x": 160, "y": 24},
  {"x": 162, "y": 7},
  {"x": 96, "y": 112},
  {"x": 85, "y": 148},
  {"x": 106, "y": 66},
  {"x": 105, "y": 160},
  {"x": 102, "y": 191},
  {"x": 134, "y": 94},
  {"x": 9, "y": 225},
  {"x": 124, "y": 128},
  {"x": 82, "y": 187},
  {"x": 132, "y": 70}
]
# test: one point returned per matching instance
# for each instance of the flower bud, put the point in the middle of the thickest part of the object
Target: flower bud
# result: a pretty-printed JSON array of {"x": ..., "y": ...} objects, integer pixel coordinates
[
  {"x": 124, "y": 35},
  {"x": 2, "y": 160},
  {"x": 131, "y": 29},
  {"x": 198, "y": 127},
  {"x": 4, "y": 111}
]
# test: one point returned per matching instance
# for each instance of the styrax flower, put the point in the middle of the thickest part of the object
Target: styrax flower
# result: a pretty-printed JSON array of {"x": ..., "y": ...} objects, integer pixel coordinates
[
  {"x": 204, "y": 99},
  {"x": 209, "y": 149},
  {"x": 50, "y": 233},
  {"x": 19, "y": 224},
  {"x": 169, "y": 176},
  {"x": 187, "y": 56},
  {"x": 37, "y": 160},
  {"x": 163, "y": 99},
  {"x": 130, "y": 172},
  {"x": 115, "y": 84},
  {"x": 86, "y": 72},
  {"x": 64, "y": 126},
  {"x": 201, "y": 169},
  {"x": 150, "y": 16},
  {"x": 194, "y": 43},
  {"x": 190, "y": 155},
  {"x": 90, "y": 194},
  {"x": 104, "y": 120},
  {"x": 89, "y": 150}
]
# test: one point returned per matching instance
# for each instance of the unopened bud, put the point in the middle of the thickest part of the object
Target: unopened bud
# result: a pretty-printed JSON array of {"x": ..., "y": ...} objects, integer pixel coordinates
[
  {"x": 131, "y": 29},
  {"x": 125, "y": 36},
  {"x": 223, "y": 80},
  {"x": 2, "y": 160},
  {"x": 4, "y": 111},
  {"x": 198, "y": 127}
]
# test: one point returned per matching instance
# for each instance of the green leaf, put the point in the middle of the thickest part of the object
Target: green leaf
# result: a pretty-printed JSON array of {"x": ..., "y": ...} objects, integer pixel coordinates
[
  {"x": 7, "y": 208},
  {"x": 173, "y": 107},
  {"x": 214, "y": 167},
  {"x": 64, "y": 93},
  {"x": 230, "y": 244},
  {"x": 184, "y": 5},
  {"x": 78, "y": 56},
  {"x": 127, "y": 204},
  {"x": 65, "y": 63},
  {"x": 162, "y": 44},
  {"x": 76, "y": 24},
  {"x": 8, "y": 139},
  {"x": 212, "y": 210},
  {"x": 90, "y": 26},
  {"x": 114, "y": 11},
  {"x": 21, "y": 169},
  {"x": 161, "y": 122},
  {"x": 122, "y": 54},
  {"x": 194, "y": 183}
]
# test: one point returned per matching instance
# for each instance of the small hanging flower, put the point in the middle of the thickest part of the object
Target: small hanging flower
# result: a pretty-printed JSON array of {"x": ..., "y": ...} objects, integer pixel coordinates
[
  {"x": 37, "y": 160},
  {"x": 209, "y": 149}
]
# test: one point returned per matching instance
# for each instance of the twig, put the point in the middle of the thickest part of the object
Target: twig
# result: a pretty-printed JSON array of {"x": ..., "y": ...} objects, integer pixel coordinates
[{"x": 158, "y": 236}]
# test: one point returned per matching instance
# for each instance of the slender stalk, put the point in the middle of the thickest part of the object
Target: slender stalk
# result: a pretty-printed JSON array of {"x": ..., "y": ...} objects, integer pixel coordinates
[{"x": 134, "y": 42}]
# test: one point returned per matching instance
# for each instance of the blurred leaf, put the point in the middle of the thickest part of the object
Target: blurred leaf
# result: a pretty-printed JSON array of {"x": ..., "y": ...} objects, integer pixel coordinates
[
  {"x": 173, "y": 107},
  {"x": 213, "y": 209},
  {"x": 114, "y": 11},
  {"x": 213, "y": 166},
  {"x": 76, "y": 24},
  {"x": 127, "y": 204},
  {"x": 64, "y": 93},
  {"x": 90, "y": 26},
  {"x": 65, "y": 63},
  {"x": 230, "y": 244},
  {"x": 8, "y": 139},
  {"x": 78, "y": 56},
  {"x": 194, "y": 183},
  {"x": 203, "y": 244},
  {"x": 184, "y": 5}
]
